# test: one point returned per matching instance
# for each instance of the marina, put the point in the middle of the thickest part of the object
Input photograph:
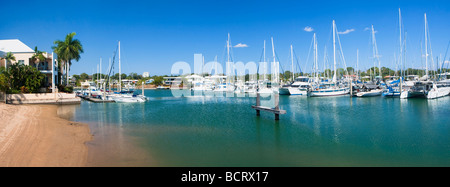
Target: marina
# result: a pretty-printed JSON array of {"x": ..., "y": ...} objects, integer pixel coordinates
[{"x": 225, "y": 84}]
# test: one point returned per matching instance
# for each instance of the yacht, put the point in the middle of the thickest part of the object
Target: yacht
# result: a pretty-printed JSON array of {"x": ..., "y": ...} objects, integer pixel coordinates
[
  {"x": 325, "y": 89},
  {"x": 370, "y": 90},
  {"x": 328, "y": 89},
  {"x": 127, "y": 97},
  {"x": 420, "y": 89},
  {"x": 392, "y": 89},
  {"x": 439, "y": 89},
  {"x": 299, "y": 87}
]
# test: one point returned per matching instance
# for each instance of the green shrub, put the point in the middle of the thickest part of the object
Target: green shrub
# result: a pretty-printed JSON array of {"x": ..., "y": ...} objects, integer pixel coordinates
[
  {"x": 19, "y": 78},
  {"x": 66, "y": 89}
]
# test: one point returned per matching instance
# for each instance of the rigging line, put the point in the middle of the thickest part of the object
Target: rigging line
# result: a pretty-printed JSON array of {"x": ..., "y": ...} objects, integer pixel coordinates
[
  {"x": 297, "y": 60},
  {"x": 429, "y": 41},
  {"x": 260, "y": 59},
  {"x": 276, "y": 56},
  {"x": 341, "y": 51},
  {"x": 309, "y": 52},
  {"x": 445, "y": 56}
]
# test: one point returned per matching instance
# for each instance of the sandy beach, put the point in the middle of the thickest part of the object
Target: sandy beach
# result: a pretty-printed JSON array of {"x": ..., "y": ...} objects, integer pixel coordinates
[{"x": 34, "y": 136}]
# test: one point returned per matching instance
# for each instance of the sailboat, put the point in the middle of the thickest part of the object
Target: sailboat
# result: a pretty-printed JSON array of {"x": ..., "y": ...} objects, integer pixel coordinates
[
  {"x": 299, "y": 85},
  {"x": 265, "y": 87},
  {"x": 394, "y": 88},
  {"x": 371, "y": 89},
  {"x": 439, "y": 89},
  {"x": 421, "y": 87},
  {"x": 328, "y": 89},
  {"x": 228, "y": 85},
  {"x": 125, "y": 96}
]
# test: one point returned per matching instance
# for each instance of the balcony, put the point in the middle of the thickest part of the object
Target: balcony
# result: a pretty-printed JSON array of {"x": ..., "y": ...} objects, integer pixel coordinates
[{"x": 43, "y": 67}]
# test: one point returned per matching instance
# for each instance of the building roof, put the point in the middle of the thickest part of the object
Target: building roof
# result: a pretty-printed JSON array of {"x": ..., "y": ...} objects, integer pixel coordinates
[{"x": 14, "y": 46}]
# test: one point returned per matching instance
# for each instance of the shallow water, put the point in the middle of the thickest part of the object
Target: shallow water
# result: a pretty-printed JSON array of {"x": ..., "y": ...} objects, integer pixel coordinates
[{"x": 222, "y": 131}]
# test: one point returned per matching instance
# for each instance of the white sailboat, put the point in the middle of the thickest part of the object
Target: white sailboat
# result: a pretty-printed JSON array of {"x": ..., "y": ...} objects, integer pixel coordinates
[
  {"x": 328, "y": 89},
  {"x": 395, "y": 87},
  {"x": 439, "y": 89},
  {"x": 125, "y": 96},
  {"x": 228, "y": 85},
  {"x": 266, "y": 88},
  {"x": 299, "y": 85},
  {"x": 371, "y": 89},
  {"x": 421, "y": 87}
]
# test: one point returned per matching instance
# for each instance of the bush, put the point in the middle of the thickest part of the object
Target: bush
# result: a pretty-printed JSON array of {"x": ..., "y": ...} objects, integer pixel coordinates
[
  {"x": 66, "y": 89},
  {"x": 21, "y": 79}
]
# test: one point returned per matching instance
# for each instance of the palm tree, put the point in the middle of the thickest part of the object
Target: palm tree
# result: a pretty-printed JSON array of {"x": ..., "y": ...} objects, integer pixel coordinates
[
  {"x": 68, "y": 50},
  {"x": 8, "y": 58},
  {"x": 38, "y": 57}
]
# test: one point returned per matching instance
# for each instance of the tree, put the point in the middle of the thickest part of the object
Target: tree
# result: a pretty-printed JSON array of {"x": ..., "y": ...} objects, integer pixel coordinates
[
  {"x": 67, "y": 50},
  {"x": 8, "y": 58},
  {"x": 37, "y": 57},
  {"x": 350, "y": 70},
  {"x": 19, "y": 78},
  {"x": 158, "y": 80},
  {"x": 84, "y": 76}
]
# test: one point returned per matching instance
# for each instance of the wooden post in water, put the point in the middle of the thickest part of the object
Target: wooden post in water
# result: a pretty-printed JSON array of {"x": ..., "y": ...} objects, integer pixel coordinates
[
  {"x": 275, "y": 110},
  {"x": 142, "y": 88},
  {"x": 258, "y": 103},
  {"x": 401, "y": 89},
  {"x": 351, "y": 88},
  {"x": 277, "y": 105}
]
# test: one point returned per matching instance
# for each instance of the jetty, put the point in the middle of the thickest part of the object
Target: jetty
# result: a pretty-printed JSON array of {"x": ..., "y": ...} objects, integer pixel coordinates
[{"x": 276, "y": 110}]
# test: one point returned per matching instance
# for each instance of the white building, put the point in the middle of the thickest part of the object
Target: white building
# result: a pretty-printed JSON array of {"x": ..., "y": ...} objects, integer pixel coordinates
[
  {"x": 146, "y": 74},
  {"x": 23, "y": 54}
]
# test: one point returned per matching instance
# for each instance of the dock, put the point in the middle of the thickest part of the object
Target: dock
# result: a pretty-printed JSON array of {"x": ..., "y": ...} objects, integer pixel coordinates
[{"x": 276, "y": 110}]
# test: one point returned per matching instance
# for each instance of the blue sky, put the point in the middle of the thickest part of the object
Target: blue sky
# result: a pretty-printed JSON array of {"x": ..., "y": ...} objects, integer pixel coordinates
[{"x": 156, "y": 34}]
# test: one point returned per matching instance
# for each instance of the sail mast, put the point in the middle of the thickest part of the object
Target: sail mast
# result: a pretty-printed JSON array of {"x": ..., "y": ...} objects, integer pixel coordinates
[
  {"x": 120, "y": 73},
  {"x": 357, "y": 62},
  {"x": 292, "y": 63},
  {"x": 275, "y": 67},
  {"x": 400, "y": 40},
  {"x": 315, "y": 59},
  {"x": 334, "y": 51},
  {"x": 228, "y": 48},
  {"x": 265, "y": 63},
  {"x": 426, "y": 47}
]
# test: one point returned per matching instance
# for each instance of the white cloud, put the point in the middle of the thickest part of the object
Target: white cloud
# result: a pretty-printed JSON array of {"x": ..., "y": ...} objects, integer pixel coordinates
[
  {"x": 308, "y": 29},
  {"x": 368, "y": 29},
  {"x": 240, "y": 45},
  {"x": 347, "y": 31}
]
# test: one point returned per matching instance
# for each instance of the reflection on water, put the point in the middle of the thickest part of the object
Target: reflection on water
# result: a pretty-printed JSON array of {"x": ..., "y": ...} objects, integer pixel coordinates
[{"x": 222, "y": 131}]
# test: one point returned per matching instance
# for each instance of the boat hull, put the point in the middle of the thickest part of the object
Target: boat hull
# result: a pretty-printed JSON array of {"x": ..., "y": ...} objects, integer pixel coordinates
[
  {"x": 285, "y": 91},
  {"x": 438, "y": 92},
  {"x": 369, "y": 94},
  {"x": 329, "y": 92},
  {"x": 391, "y": 94},
  {"x": 411, "y": 94}
]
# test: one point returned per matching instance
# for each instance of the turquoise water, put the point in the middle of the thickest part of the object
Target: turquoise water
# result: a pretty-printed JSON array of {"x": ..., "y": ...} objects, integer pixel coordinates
[{"x": 222, "y": 131}]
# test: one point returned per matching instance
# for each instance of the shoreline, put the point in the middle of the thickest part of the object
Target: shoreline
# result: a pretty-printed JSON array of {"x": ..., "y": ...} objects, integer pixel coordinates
[{"x": 35, "y": 136}]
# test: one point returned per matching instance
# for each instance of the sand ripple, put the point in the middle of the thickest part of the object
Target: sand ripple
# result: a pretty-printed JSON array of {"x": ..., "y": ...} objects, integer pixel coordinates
[{"x": 33, "y": 136}]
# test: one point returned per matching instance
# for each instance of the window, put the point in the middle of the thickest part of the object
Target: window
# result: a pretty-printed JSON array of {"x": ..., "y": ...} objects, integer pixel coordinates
[{"x": 21, "y": 62}]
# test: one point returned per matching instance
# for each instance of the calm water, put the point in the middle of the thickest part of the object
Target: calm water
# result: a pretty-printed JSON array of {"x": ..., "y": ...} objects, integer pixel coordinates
[{"x": 221, "y": 131}]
